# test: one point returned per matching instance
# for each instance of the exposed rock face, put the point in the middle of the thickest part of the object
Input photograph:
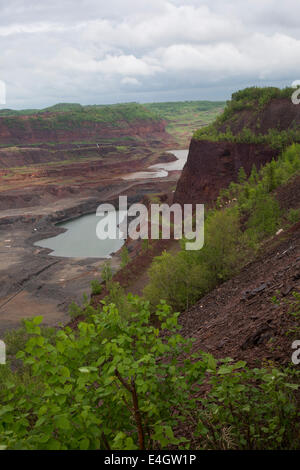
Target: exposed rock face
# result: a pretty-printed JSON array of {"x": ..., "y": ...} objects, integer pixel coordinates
[
  {"x": 15, "y": 156},
  {"x": 57, "y": 144},
  {"x": 279, "y": 114},
  {"x": 238, "y": 319},
  {"x": 23, "y": 129},
  {"x": 213, "y": 165}
]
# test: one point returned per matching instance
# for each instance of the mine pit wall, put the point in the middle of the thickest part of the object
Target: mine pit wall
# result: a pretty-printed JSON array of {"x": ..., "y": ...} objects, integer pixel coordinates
[
  {"x": 212, "y": 166},
  {"x": 25, "y": 130}
]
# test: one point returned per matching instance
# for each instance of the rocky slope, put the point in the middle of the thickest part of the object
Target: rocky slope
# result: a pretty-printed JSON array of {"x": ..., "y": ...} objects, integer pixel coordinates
[
  {"x": 278, "y": 113},
  {"x": 69, "y": 132},
  {"x": 25, "y": 130},
  {"x": 213, "y": 165},
  {"x": 215, "y": 158},
  {"x": 239, "y": 319},
  {"x": 73, "y": 123},
  {"x": 69, "y": 148}
]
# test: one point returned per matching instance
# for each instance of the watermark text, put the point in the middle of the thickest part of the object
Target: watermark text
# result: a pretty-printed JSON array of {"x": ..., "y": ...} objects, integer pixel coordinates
[{"x": 159, "y": 221}]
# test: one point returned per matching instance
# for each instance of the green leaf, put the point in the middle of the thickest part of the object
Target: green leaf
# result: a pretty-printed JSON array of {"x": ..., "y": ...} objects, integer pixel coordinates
[
  {"x": 37, "y": 320},
  {"x": 84, "y": 444},
  {"x": 62, "y": 422}
]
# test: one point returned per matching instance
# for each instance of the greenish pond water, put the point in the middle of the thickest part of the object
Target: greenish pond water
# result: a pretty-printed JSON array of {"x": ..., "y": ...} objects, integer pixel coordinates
[{"x": 80, "y": 239}]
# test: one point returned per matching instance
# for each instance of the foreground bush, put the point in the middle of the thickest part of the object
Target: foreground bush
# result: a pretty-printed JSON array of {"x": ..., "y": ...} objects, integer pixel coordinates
[
  {"x": 252, "y": 409},
  {"x": 120, "y": 383},
  {"x": 111, "y": 385}
]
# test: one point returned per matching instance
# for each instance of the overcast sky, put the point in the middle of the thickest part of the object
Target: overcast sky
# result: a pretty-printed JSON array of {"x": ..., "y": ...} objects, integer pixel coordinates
[{"x": 108, "y": 51}]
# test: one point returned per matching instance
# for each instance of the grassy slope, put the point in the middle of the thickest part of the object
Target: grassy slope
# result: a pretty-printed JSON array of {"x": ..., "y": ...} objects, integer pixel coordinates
[
  {"x": 184, "y": 117},
  {"x": 251, "y": 101},
  {"x": 68, "y": 116}
]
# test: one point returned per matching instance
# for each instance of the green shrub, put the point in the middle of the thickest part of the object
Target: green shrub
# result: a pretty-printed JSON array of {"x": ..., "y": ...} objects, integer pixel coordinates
[
  {"x": 253, "y": 409},
  {"x": 117, "y": 296},
  {"x": 293, "y": 216},
  {"x": 177, "y": 280},
  {"x": 103, "y": 387},
  {"x": 16, "y": 339},
  {"x": 123, "y": 383},
  {"x": 74, "y": 310},
  {"x": 96, "y": 287},
  {"x": 254, "y": 99},
  {"x": 247, "y": 214},
  {"x": 106, "y": 272},
  {"x": 183, "y": 278},
  {"x": 125, "y": 258},
  {"x": 264, "y": 219}
]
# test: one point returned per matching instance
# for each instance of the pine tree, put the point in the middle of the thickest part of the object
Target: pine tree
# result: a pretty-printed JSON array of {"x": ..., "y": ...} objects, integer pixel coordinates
[
  {"x": 107, "y": 272},
  {"x": 124, "y": 256},
  {"x": 242, "y": 177},
  {"x": 254, "y": 175}
]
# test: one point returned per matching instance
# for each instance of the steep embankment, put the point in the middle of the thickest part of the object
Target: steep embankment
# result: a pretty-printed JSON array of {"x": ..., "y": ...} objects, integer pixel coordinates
[
  {"x": 213, "y": 165},
  {"x": 76, "y": 147},
  {"x": 253, "y": 129},
  {"x": 31, "y": 130},
  {"x": 239, "y": 320},
  {"x": 248, "y": 317},
  {"x": 65, "y": 132}
]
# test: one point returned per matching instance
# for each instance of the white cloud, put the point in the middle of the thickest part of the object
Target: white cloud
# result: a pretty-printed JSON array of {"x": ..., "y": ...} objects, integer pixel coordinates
[
  {"x": 130, "y": 81},
  {"x": 2, "y": 92},
  {"x": 33, "y": 28},
  {"x": 87, "y": 51},
  {"x": 175, "y": 24},
  {"x": 256, "y": 55}
]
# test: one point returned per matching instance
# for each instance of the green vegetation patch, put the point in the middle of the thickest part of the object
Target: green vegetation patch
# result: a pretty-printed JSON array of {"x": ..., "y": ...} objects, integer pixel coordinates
[
  {"x": 68, "y": 116},
  {"x": 184, "y": 117},
  {"x": 246, "y": 213},
  {"x": 125, "y": 383},
  {"x": 253, "y": 99},
  {"x": 172, "y": 109}
]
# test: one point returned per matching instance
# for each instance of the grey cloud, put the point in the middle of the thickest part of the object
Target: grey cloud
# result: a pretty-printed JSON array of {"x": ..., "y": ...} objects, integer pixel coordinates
[{"x": 95, "y": 51}]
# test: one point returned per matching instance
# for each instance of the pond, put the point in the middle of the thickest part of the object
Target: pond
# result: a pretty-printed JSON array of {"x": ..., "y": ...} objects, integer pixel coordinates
[
  {"x": 80, "y": 239},
  {"x": 161, "y": 170}
]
